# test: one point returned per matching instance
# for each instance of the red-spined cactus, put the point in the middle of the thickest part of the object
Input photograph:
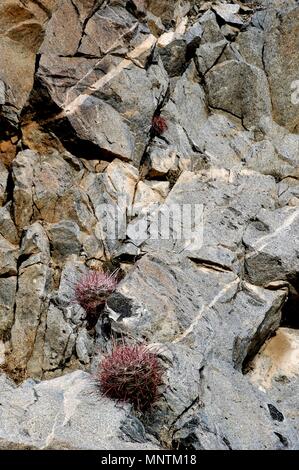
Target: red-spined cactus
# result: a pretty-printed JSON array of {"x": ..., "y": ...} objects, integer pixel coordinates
[
  {"x": 131, "y": 374},
  {"x": 93, "y": 289},
  {"x": 159, "y": 125}
]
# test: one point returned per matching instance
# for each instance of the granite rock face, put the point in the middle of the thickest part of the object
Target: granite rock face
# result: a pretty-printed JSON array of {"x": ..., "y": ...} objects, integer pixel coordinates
[
  {"x": 65, "y": 414},
  {"x": 22, "y": 28},
  {"x": 159, "y": 139}
]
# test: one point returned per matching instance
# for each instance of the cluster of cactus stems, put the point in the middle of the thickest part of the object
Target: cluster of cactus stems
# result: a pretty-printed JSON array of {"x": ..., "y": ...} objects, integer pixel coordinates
[
  {"x": 93, "y": 289},
  {"x": 159, "y": 125},
  {"x": 131, "y": 373}
]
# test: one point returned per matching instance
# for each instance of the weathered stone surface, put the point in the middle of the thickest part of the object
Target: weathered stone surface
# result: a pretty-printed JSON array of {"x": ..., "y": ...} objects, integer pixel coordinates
[
  {"x": 108, "y": 30},
  {"x": 3, "y": 182},
  {"x": 114, "y": 136},
  {"x": 272, "y": 246},
  {"x": 187, "y": 107},
  {"x": 23, "y": 182},
  {"x": 173, "y": 54},
  {"x": 8, "y": 151},
  {"x": 222, "y": 142},
  {"x": 84, "y": 347},
  {"x": 87, "y": 7},
  {"x": 286, "y": 146},
  {"x": 229, "y": 13},
  {"x": 222, "y": 423},
  {"x": 71, "y": 273},
  {"x": 168, "y": 11},
  {"x": 208, "y": 54},
  {"x": 17, "y": 84},
  {"x": 66, "y": 77},
  {"x": 21, "y": 33},
  {"x": 277, "y": 361},
  {"x": 240, "y": 89},
  {"x": 249, "y": 44},
  {"x": 185, "y": 114},
  {"x": 8, "y": 258},
  {"x": 288, "y": 192},
  {"x": 281, "y": 65},
  {"x": 275, "y": 372},
  {"x": 35, "y": 243},
  {"x": 187, "y": 329},
  {"x": 193, "y": 35},
  {"x": 212, "y": 43},
  {"x": 230, "y": 200},
  {"x": 179, "y": 320},
  {"x": 64, "y": 414},
  {"x": 7, "y": 227},
  {"x": 2, "y": 92},
  {"x": 211, "y": 29},
  {"x": 145, "y": 197},
  {"x": 103, "y": 110},
  {"x": 63, "y": 37},
  {"x": 34, "y": 284},
  {"x": 161, "y": 158},
  {"x": 31, "y": 308},
  {"x": 59, "y": 340},
  {"x": 65, "y": 239},
  {"x": 266, "y": 158},
  {"x": 44, "y": 187},
  {"x": 112, "y": 191},
  {"x": 131, "y": 116},
  {"x": 8, "y": 287},
  {"x": 138, "y": 104},
  {"x": 59, "y": 178}
]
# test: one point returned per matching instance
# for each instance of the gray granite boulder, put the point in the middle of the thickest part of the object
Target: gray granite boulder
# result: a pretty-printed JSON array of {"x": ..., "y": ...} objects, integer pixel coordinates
[{"x": 67, "y": 413}]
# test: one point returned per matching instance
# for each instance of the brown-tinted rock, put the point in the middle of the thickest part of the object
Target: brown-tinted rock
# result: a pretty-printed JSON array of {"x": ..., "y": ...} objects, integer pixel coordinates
[
  {"x": 23, "y": 167},
  {"x": 7, "y": 227},
  {"x": 21, "y": 34},
  {"x": 8, "y": 258},
  {"x": 63, "y": 36},
  {"x": 7, "y": 152},
  {"x": 169, "y": 11}
]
